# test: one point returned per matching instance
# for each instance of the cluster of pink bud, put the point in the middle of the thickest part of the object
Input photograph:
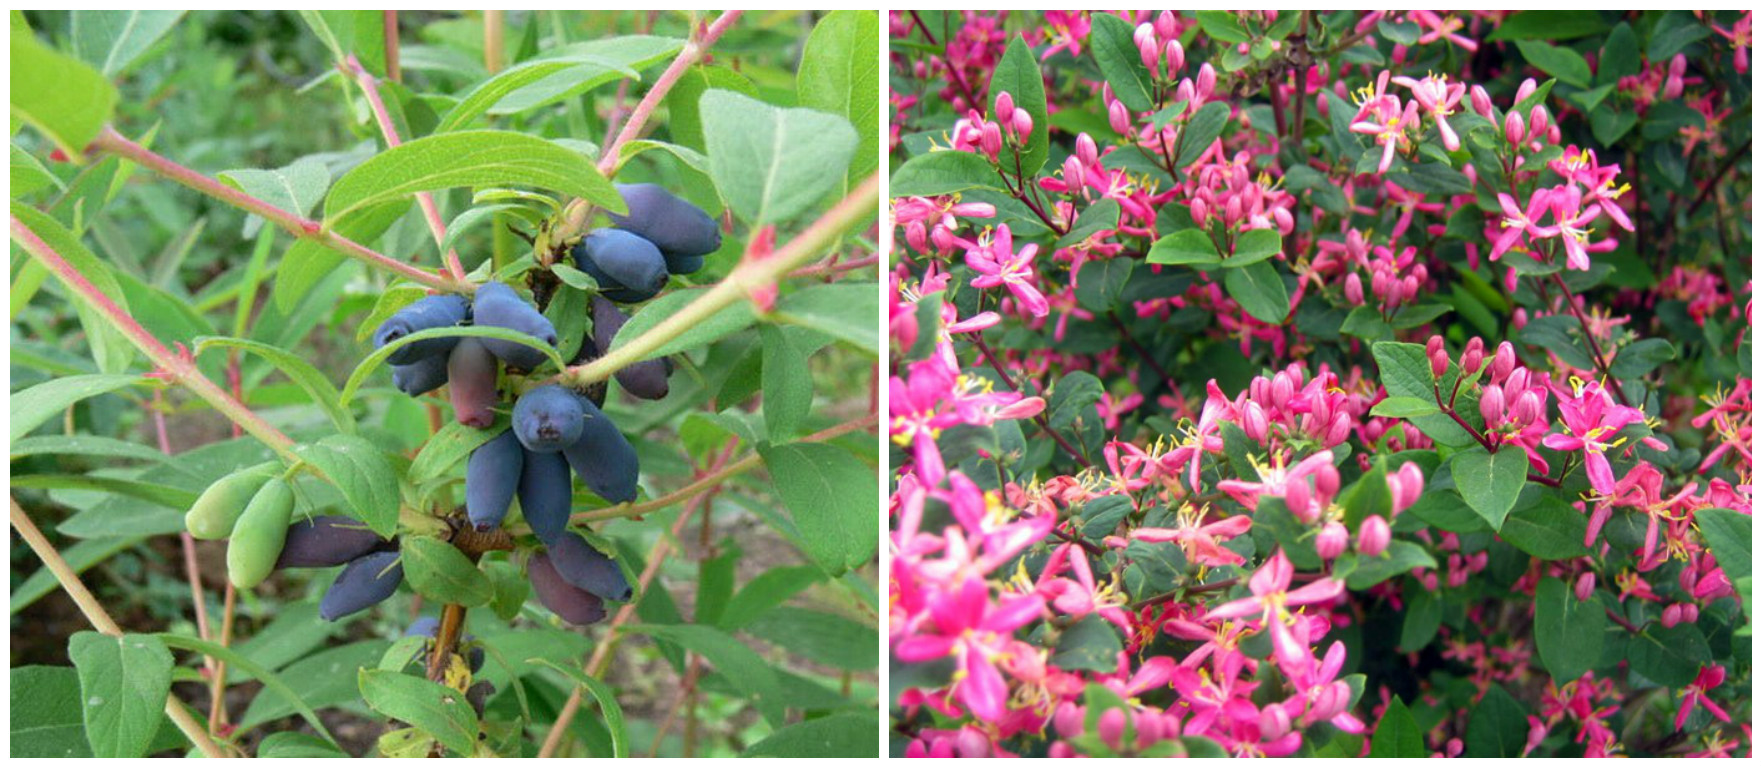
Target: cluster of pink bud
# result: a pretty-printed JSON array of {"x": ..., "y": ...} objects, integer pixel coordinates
[
  {"x": 1226, "y": 189},
  {"x": 1458, "y": 567},
  {"x": 1285, "y": 406},
  {"x": 1388, "y": 285},
  {"x": 1161, "y": 52},
  {"x": 974, "y": 132},
  {"x": 1157, "y": 44}
]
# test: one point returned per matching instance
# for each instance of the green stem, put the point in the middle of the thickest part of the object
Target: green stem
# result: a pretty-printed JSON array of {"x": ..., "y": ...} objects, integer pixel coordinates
[
  {"x": 179, "y": 368},
  {"x": 110, "y": 141}
]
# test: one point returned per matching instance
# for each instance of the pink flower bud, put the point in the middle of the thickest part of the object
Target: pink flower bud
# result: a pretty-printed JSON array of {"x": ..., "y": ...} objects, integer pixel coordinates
[
  {"x": 1433, "y": 345},
  {"x": 990, "y": 140},
  {"x": 1167, "y": 26},
  {"x": 1339, "y": 430},
  {"x": 1471, "y": 359},
  {"x": 1118, "y": 118},
  {"x": 1068, "y": 720},
  {"x": 1144, "y": 31},
  {"x": 1086, "y": 153},
  {"x": 1023, "y": 124},
  {"x": 1111, "y": 727},
  {"x": 1492, "y": 404},
  {"x": 1176, "y": 56},
  {"x": 1274, "y": 722},
  {"x": 1439, "y": 364},
  {"x": 1373, "y": 536},
  {"x": 1537, "y": 121},
  {"x": 1005, "y": 106},
  {"x": 1672, "y": 615},
  {"x": 1585, "y": 587},
  {"x": 1299, "y": 499},
  {"x": 1690, "y": 612},
  {"x": 1379, "y": 284},
  {"x": 1503, "y": 361},
  {"x": 1147, "y": 53},
  {"x": 1407, "y": 484},
  {"x": 1409, "y": 287},
  {"x": 972, "y": 744},
  {"x": 1253, "y": 422},
  {"x": 1207, "y": 81},
  {"x": 1528, "y": 408},
  {"x": 1354, "y": 289},
  {"x": 1073, "y": 174},
  {"x": 1481, "y": 102},
  {"x": 1200, "y": 211},
  {"x": 1513, "y": 128},
  {"x": 1282, "y": 389},
  {"x": 1326, "y": 481},
  {"x": 1332, "y": 540}
]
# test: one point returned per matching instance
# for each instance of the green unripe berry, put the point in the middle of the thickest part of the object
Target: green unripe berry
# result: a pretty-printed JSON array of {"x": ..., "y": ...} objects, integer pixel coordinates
[
  {"x": 215, "y": 512},
  {"x": 260, "y": 534}
]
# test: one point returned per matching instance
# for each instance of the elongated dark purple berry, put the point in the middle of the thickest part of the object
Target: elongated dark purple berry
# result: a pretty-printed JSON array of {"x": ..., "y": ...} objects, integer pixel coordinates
[
  {"x": 363, "y": 583},
  {"x": 548, "y": 419},
  {"x": 645, "y": 379},
  {"x": 443, "y": 311},
  {"x": 497, "y": 305},
  {"x": 627, "y": 267},
  {"x": 603, "y": 458},
  {"x": 559, "y": 596},
  {"x": 584, "y": 566},
  {"x": 491, "y": 476},
  {"x": 680, "y": 229},
  {"x": 327, "y": 542},
  {"x": 470, "y": 378},
  {"x": 547, "y": 490},
  {"x": 422, "y": 376}
]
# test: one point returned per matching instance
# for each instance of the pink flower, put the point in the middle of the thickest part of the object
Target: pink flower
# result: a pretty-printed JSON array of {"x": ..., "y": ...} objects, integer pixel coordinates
[
  {"x": 1695, "y": 693},
  {"x": 1272, "y": 599},
  {"x": 999, "y": 265},
  {"x": 1439, "y": 98},
  {"x": 1518, "y": 222},
  {"x": 1591, "y": 417},
  {"x": 1199, "y": 539},
  {"x": 978, "y": 634}
]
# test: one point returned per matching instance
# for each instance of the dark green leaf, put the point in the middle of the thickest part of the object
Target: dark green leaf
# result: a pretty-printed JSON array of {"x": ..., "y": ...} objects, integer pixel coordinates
[
  {"x": 1490, "y": 482},
  {"x": 1568, "y": 632}
]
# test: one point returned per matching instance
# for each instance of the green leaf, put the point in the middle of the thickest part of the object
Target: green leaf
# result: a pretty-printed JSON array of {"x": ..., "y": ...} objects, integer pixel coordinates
[
  {"x": 58, "y": 95},
  {"x": 1498, "y": 725},
  {"x": 734, "y": 318},
  {"x": 690, "y": 157},
  {"x": 364, "y": 475},
  {"x": 1404, "y": 407},
  {"x": 309, "y": 262},
  {"x": 1187, "y": 246},
  {"x": 819, "y": 637},
  {"x": 1260, "y": 291},
  {"x": 1490, "y": 482},
  {"x": 35, "y": 406},
  {"x": 123, "y": 683},
  {"x": 1101, "y": 282},
  {"x": 771, "y": 588},
  {"x": 442, "y": 573},
  {"x": 1668, "y": 656},
  {"x": 468, "y": 158},
  {"x": 238, "y": 662},
  {"x": 297, "y": 745},
  {"x": 81, "y": 557},
  {"x": 1568, "y": 632},
  {"x": 1222, "y": 25},
  {"x": 45, "y": 719},
  {"x": 113, "y": 40},
  {"x": 1110, "y": 38},
  {"x": 1201, "y": 131},
  {"x": 943, "y": 172},
  {"x": 320, "y": 680},
  {"x": 1398, "y": 735},
  {"x": 1640, "y": 358},
  {"x": 1620, "y": 56},
  {"x": 435, "y": 709},
  {"x": 841, "y": 735},
  {"x": 840, "y": 75},
  {"x": 1399, "y": 557},
  {"x": 1731, "y": 536},
  {"x": 745, "y": 669},
  {"x": 1102, "y": 216},
  {"x": 110, "y": 348},
  {"x": 28, "y": 176},
  {"x": 1423, "y": 616},
  {"x": 787, "y": 384},
  {"x": 1549, "y": 529},
  {"x": 830, "y": 496},
  {"x": 844, "y": 310},
  {"x": 452, "y": 444},
  {"x": 611, "y": 712},
  {"x": 1563, "y": 63},
  {"x": 770, "y": 163},
  {"x": 302, "y": 373},
  {"x": 1092, "y": 644},
  {"x": 603, "y": 60},
  {"x": 582, "y": 71},
  {"x": 1254, "y": 246},
  {"x": 1548, "y": 25},
  {"x": 1406, "y": 372},
  {"x": 296, "y": 187},
  {"x": 1018, "y": 73},
  {"x": 1667, "y": 38}
]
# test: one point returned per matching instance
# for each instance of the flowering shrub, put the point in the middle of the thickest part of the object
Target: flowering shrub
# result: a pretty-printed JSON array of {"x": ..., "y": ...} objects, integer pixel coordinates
[{"x": 1335, "y": 383}]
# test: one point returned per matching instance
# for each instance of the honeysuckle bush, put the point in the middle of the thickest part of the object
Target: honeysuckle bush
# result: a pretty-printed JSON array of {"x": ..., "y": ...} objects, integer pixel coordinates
[
  {"x": 250, "y": 249},
  {"x": 1320, "y": 383}
]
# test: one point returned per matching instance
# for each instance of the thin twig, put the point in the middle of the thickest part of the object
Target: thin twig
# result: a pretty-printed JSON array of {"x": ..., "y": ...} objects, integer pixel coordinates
[
  {"x": 370, "y": 86},
  {"x": 693, "y": 52}
]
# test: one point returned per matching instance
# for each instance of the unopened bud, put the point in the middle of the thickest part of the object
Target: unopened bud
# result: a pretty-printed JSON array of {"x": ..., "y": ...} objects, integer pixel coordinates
[
  {"x": 1373, "y": 536},
  {"x": 1332, "y": 540},
  {"x": 1005, "y": 106},
  {"x": 1354, "y": 289},
  {"x": 1492, "y": 404},
  {"x": 1176, "y": 56},
  {"x": 1503, "y": 361},
  {"x": 1585, "y": 587}
]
